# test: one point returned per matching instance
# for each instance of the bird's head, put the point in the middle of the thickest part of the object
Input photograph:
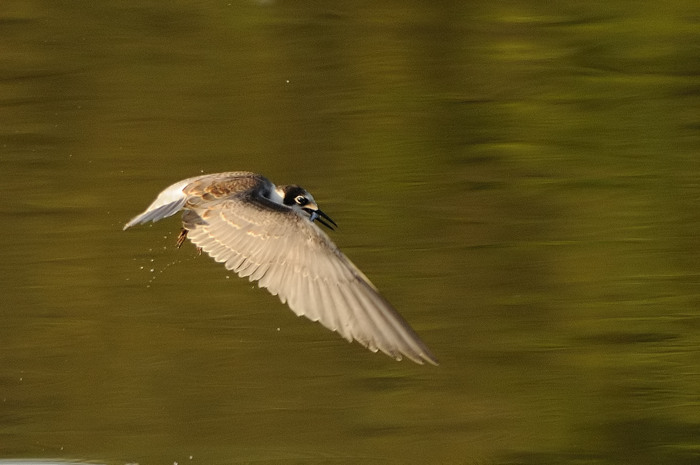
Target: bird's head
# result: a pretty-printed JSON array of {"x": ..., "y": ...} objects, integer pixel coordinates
[{"x": 299, "y": 198}]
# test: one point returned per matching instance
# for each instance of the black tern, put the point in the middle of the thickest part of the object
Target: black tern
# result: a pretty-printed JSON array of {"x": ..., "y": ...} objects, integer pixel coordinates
[{"x": 268, "y": 233}]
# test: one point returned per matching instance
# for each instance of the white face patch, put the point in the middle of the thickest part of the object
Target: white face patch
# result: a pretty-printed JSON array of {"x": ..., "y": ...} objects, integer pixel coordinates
[{"x": 277, "y": 195}]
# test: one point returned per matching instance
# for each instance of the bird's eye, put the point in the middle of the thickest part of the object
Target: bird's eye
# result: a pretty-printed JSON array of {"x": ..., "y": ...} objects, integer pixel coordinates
[{"x": 301, "y": 200}]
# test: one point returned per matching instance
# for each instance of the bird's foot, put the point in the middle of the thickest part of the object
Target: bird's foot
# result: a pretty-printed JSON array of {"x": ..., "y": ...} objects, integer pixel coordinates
[{"x": 181, "y": 237}]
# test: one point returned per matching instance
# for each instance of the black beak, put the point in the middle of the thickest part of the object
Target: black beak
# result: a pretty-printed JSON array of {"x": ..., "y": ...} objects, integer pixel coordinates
[{"x": 319, "y": 215}]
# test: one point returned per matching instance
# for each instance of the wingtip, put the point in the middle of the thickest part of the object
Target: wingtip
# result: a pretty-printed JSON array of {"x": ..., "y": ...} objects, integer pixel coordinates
[
  {"x": 428, "y": 356},
  {"x": 167, "y": 203},
  {"x": 422, "y": 358},
  {"x": 135, "y": 220}
]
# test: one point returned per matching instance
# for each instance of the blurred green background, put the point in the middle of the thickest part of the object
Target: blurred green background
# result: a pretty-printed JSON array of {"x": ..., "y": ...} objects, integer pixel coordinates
[{"x": 520, "y": 178}]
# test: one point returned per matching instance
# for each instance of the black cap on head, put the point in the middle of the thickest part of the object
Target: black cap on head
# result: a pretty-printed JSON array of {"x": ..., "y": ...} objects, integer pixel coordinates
[{"x": 291, "y": 192}]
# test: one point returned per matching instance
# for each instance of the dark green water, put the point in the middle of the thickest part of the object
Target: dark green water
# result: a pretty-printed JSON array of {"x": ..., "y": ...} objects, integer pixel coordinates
[{"x": 521, "y": 180}]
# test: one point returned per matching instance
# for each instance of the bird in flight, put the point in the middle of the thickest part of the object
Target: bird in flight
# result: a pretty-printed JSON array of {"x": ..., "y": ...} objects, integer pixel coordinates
[{"x": 268, "y": 233}]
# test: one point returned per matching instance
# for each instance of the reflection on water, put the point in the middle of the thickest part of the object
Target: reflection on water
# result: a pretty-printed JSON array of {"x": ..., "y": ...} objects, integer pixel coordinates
[
  {"x": 40, "y": 462},
  {"x": 519, "y": 179}
]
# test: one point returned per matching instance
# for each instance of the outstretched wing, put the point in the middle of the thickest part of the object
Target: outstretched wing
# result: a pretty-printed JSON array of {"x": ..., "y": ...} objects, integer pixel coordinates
[
  {"x": 291, "y": 257},
  {"x": 231, "y": 217}
]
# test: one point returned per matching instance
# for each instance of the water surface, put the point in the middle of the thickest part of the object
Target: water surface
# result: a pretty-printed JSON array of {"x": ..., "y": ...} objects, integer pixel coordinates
[{"x": 521, "y": 180}]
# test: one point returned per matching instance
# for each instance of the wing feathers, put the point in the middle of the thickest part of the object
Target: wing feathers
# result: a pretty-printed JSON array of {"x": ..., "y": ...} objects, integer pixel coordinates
[
  {"x": 290, "y": 256},
  {"x": 158, "y": 213},
  {"x": 305, "y": 270}
]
